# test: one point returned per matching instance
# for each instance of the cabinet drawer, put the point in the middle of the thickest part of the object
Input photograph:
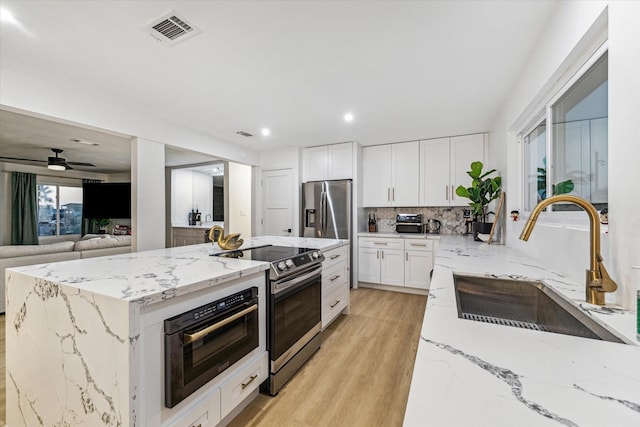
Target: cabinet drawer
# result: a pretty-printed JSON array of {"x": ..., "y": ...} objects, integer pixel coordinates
[
  {"x": 418, "y": 244},
  {"x": 333, "y": 304},
  {"x": 239, "y": 386},
  {"x": 205, "y": 413},
  {"x": 334, "y": 256},
  {"x": 334, "y": 277},
  {"x": 381, "y": 242}
]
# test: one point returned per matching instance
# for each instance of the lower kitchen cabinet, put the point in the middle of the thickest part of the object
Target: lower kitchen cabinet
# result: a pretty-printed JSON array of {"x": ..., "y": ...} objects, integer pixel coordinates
[
  {"x": 395, "y": 261},
  {"x": 185, "y": 236},
  {"x": 381, "y": 260},
  {"x": 418, "y": 256},
  {"x": 335, "y": 284},
  {"x": 205, "y": 413}
]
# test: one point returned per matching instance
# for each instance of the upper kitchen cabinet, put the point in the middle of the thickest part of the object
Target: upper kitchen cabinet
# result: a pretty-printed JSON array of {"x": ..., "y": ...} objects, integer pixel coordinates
[
  {"x": 327, "y": 162},
  {"x": 391, "y": 174},
  {"x": 444, "y": 163}
]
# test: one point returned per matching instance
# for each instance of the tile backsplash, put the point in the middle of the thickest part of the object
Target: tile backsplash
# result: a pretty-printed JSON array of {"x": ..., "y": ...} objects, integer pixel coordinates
[{"x": 451, "y": 218}]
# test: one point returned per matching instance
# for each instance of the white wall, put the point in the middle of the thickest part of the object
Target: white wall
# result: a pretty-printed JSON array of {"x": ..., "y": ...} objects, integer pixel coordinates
[
  {"x": 570, "y": 37},
  {"x": 148, "y": 198},
  {"x": 624, "y": 146},
  {"x": 240, "y": 196},
  {"x": 31, "y": 94}
]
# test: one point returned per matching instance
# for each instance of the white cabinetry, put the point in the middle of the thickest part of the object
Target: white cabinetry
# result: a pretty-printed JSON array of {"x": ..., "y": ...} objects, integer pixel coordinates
[
  {"x": 444, "y": 163},
  {"x": 335, "y": 284},
  {"x": 418, "y": 257},
  {"x": 380, "y": 260},
  {"x": 395, "y": 261},
  {"x": 391, "y": 174},
  {"x": 327, "y": 162}
]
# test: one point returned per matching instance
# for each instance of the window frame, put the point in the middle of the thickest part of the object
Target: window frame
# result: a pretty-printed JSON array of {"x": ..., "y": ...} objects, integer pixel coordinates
[{"x": 548, "y": 215}]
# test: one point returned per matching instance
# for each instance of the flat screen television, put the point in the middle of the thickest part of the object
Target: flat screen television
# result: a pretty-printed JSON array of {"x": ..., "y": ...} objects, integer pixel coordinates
[{"x": 106, "y": 200}]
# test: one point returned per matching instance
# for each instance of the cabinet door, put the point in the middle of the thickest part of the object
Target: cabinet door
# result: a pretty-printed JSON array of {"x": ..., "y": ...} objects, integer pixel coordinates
[
  {"x": 340, "y": 159},
  {"x": 315, "y": 163},
  {"x": 464, "y": 150},
  {"x": 376, "y": 165},
  {"x": 203, "y": 193},
  {"x": 405, "y": 174},
  {"x": 392, "y": 267},
  {"x": 181, "y": 196},
  {"x": 434, "y": 172},
  {"x": 417, "y": 266},
  {"x": 369, "y": 265}
]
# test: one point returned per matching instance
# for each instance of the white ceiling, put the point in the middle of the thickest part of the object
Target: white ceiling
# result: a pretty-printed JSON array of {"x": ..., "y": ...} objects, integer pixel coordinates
[{"x": 406, "y": 69}]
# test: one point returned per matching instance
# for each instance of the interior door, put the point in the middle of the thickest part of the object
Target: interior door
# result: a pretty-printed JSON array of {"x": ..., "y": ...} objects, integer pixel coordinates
[{"x": 277, "y": 202}]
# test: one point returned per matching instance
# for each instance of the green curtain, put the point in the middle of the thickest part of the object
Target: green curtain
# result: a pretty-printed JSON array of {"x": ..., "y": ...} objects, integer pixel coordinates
[{"x": 24, "y": 209}]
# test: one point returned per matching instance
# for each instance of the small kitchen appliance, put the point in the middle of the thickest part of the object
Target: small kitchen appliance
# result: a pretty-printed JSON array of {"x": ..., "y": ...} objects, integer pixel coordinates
[
  {"x": 433, "y": 226},
  {"x": 409, "y": 223}
]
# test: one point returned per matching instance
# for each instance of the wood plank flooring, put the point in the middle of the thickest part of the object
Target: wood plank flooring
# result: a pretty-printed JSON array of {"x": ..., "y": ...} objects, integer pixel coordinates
[{"x": 360, "y": 376}]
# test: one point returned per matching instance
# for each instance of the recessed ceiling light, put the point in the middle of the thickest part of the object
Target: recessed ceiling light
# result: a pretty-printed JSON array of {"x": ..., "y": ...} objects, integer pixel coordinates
[
  {"x": 348, "y": 117},
  {"x": 265, "y": 132},
  {"x": 6, "y": 16}
]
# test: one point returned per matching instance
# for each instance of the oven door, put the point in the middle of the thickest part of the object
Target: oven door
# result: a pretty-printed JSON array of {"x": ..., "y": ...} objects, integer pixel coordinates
[
  {"x": 295, "y": 318},
  {"x": 198, "y": 354}
]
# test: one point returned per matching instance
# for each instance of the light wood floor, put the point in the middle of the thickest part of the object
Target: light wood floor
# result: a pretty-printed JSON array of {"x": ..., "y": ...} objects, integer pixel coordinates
[{"x": 360, "y": 376}]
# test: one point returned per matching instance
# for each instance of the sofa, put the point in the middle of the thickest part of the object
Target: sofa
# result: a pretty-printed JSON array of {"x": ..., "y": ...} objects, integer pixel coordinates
[{"x": 90, "y": 246}]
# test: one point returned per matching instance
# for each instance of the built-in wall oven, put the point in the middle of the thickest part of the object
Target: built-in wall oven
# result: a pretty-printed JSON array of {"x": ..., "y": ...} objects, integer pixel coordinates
[
  {"x": 293, "y": 309},
  {"x": 203, "y": 342}
]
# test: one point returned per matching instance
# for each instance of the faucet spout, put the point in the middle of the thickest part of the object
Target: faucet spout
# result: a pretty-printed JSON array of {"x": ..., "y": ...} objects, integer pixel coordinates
[{"x": 598, "y": 280}]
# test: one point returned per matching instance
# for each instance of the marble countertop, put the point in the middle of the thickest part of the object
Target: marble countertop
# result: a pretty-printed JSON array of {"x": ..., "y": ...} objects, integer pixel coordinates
[
  {"x": 471, "y": 373},
  {"x": 400, "y": 235},
  {"x": 151, "y": 276}
]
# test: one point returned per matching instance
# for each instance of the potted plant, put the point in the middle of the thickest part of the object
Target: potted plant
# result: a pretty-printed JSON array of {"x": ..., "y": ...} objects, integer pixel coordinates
[
  {"x": 102, "y": 224},
  {"x": 484, "y": 189}
]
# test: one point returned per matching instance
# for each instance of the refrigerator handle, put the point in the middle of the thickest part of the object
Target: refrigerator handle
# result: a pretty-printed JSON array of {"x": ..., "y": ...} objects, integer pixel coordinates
[
  {"x": 320, "y": 219},
  {"x": 324, "y": 214}
]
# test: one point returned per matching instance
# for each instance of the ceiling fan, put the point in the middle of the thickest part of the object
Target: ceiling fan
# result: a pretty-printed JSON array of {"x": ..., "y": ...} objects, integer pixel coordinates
[{"x": 54, "y": 163}]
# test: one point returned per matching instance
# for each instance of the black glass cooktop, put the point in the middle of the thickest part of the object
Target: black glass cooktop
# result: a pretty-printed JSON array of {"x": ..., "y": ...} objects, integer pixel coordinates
[{"x": 265, "y": 253}]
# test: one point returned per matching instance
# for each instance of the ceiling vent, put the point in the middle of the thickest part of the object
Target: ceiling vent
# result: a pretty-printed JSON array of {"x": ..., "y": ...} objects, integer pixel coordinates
[
  {"x": 243, "y": 133},
  {"x": 171, "y": 29}
]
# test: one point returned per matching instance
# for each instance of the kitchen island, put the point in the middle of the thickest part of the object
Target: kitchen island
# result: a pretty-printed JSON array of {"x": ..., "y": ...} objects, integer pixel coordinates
[
  {"x": 473, "y": 373},
  {"x": 84, "y": 337}
]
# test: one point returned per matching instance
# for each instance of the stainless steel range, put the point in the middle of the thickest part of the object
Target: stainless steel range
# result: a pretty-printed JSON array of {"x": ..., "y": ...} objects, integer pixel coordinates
[{"x": 293, "y": 310}]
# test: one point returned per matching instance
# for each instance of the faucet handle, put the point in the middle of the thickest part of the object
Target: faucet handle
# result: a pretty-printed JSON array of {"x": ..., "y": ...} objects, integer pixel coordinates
[{"x": 606, "y": 283}]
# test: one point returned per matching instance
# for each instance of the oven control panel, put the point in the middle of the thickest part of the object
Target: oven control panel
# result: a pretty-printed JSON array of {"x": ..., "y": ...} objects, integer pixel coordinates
[{"x": 209, "y": 310}]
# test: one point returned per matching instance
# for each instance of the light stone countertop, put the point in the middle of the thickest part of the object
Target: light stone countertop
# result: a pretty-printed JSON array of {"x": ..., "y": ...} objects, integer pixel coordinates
[
  {"x": 471, "y": 373},
  {"x": 152, "y": 276},
  {"x": 401, "y": 235}
]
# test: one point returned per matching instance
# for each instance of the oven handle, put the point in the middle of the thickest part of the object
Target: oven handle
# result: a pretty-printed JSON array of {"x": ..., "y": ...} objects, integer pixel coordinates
[
  {"x": 288, "y": 283},
  {"x": 189, "y": 338}
]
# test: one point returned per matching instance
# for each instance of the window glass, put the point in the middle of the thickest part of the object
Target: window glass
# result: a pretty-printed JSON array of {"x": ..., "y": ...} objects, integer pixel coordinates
[
  {"x": 59, "y": 210},
  {"x": 70, "y": 210},
  {"x": 579, "y": 139},
  {"x": 535, "y": 166}
]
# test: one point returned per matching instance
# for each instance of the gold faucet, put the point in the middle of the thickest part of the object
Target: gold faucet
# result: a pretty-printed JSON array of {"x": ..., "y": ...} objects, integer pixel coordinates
[
  {"x": 232, "y": 241},
  {"x": 598, "y": 280}
]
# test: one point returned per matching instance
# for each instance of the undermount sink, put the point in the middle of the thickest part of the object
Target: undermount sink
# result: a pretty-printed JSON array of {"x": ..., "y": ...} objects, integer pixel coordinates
[{"x": 524, "y": 304}]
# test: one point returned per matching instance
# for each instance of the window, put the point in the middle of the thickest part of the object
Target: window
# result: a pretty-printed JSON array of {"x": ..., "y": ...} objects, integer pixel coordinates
[
  {"x": 59, "y": 210},
  {"x": 567, "y": 152}
]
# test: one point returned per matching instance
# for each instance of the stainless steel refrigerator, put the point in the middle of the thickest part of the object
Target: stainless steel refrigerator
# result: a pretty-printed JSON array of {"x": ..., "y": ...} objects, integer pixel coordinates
[{"x": 326, "y": 211}]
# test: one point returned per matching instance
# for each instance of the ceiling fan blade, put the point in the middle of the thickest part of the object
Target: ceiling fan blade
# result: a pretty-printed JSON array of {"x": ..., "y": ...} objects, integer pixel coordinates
[
  {"x": 24, "y": 160},
  {"x": 90, "y": 165}
]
